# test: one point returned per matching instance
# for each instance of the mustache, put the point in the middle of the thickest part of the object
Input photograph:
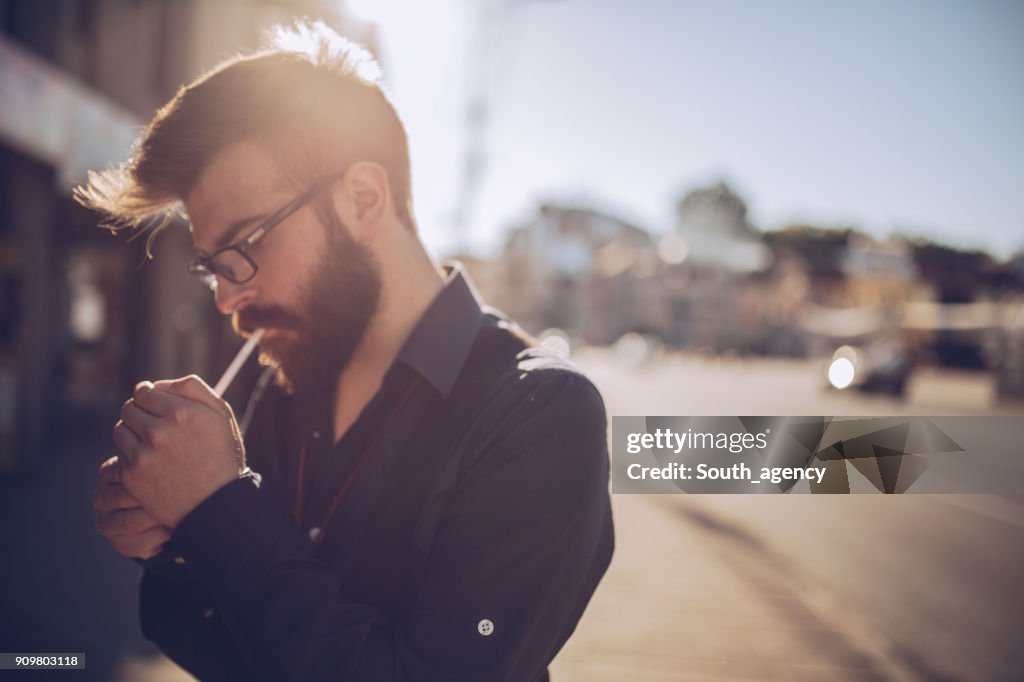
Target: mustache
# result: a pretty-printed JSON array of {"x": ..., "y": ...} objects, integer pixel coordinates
[{"x": 249, "y": 319}]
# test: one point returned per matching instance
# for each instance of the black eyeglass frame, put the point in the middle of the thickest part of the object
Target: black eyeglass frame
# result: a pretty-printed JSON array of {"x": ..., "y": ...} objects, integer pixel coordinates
[{"x": 204, "y": 267}]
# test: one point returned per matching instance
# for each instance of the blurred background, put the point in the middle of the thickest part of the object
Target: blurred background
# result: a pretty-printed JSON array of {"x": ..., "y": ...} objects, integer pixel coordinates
[{"x": 789, "y": 208}]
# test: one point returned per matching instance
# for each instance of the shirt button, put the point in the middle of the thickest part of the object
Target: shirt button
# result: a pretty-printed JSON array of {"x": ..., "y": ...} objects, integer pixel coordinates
[
  {"x": 315, "y": 534},
  {"x": 180, "y": 560},
  {"x": 316, "y": 435},
  {"x": 208, "y": 613},
  {"x": 485, "y": 627}
]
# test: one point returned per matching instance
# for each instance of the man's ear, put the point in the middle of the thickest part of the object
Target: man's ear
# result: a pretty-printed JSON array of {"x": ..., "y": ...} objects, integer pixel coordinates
[{"x": 363, "y": 199}]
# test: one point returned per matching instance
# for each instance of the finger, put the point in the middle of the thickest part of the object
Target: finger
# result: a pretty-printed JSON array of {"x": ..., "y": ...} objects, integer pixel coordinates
[
  {"x": 156, "y": 402},
  {"x": 125, "y": 522},
  {"x": 194, "y": 388},
  {"x": 140, "y": 421},
  {"x": 110, "y": 470},
  {"x": 127, "y": 443},
  {"x": 111, "y": 497},
  {"x": 173, "y": 408},
  {"x": 143, "y": 545}
]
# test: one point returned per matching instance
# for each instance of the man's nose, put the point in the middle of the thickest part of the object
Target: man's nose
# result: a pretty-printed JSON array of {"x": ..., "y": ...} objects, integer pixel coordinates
[{"x": 229, "y": 296}]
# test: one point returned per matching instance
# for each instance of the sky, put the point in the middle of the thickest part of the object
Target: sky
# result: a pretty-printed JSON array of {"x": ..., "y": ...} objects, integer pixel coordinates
[{"x": 903, "y": 116}]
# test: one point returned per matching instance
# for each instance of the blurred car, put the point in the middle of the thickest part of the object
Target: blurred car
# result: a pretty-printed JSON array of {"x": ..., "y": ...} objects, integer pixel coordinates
[{"x": 882, "y": 367}]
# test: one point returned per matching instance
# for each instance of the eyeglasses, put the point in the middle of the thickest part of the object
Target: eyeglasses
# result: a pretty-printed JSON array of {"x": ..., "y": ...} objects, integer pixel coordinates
[{"x": 233, "y": 262}]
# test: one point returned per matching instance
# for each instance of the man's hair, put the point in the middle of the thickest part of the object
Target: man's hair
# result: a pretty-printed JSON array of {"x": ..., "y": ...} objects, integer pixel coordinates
[{"x": 312, "y": 98}]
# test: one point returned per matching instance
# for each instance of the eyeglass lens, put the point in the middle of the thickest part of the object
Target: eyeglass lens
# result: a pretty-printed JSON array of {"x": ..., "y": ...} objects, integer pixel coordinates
[{"x": 229, "y": 264}]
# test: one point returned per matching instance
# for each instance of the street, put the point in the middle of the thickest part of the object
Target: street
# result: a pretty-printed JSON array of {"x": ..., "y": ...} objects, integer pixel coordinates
[{"x": 861, "y": 587}]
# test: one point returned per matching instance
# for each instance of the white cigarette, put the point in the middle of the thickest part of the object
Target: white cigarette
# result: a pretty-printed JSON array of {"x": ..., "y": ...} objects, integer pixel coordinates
[{"x": 243, "y": 354}]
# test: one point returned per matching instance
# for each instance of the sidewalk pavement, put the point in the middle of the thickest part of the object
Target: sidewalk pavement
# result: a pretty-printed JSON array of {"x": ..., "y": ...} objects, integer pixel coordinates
[
  {"x": 62, "y": 588},
  {"x": 676, "y": 605}
]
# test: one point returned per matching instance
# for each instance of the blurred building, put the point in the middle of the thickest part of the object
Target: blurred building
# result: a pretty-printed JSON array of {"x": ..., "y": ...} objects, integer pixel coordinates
[
  {"x": 966, "y": 289},
  {"x": 718, "y": 284},
  {"x": 579, "y": 270},
  {"x": 1008, "y": 341},
  {"x": 712, "y": 308},
  {"x": 713, "y": 221},
  {"x": 81, "y": 321},
  {"x": 855, "y": 286}
]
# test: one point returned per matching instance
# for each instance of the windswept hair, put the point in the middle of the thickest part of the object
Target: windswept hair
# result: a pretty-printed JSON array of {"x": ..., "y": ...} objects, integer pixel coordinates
[{"x": 311, "y": 97}]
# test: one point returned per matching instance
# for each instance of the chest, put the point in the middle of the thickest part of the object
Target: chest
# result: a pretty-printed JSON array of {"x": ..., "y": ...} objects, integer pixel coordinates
[{"x": 366, "y": 497}]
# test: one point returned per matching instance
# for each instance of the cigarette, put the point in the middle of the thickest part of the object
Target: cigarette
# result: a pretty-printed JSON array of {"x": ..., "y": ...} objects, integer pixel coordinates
[{"x": 243, "y": 354}]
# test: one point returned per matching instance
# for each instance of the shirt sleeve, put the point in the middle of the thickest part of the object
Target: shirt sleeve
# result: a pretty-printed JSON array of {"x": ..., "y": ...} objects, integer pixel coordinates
[
  {"x": 180, "y": 616},
  {"x": 520, "y": 548},
  {"x": 176, "y": 613}
]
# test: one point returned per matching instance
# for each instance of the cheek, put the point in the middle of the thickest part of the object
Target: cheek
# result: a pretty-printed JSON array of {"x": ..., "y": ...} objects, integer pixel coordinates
[
  {"x": 285, "y": 275},
  {"x": 293, "y": 250}
]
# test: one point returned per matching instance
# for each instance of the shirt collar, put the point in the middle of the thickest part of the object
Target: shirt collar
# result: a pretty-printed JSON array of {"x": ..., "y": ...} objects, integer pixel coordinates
[{"x": 440, "y": 342}]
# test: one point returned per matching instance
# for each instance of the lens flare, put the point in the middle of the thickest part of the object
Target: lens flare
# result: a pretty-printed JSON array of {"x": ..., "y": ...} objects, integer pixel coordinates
[
  {"x": 840, "y": 372},
  {"x": 556, "y": 340}
]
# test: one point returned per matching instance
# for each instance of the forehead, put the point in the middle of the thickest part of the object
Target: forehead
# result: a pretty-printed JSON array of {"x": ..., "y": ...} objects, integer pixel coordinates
[{"x": 241, "y": 180}]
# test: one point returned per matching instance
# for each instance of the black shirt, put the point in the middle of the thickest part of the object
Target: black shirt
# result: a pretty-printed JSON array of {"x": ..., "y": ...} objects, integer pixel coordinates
[{"x": 475, "y": 529}]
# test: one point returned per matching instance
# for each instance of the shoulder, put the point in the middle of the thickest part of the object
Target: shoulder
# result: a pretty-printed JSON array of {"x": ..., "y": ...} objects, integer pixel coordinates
[
  {"x": 540, "y": 407},
  {"x": 545, "y": 380},
  {"x": 531, "y": 375}
]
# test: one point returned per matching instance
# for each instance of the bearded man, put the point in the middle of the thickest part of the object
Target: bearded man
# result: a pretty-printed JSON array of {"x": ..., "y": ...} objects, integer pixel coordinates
[{"x": 423, "y": 494}]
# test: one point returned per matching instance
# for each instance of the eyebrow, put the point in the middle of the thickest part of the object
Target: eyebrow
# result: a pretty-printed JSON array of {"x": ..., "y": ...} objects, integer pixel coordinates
[{"x": 233, "y": 229}]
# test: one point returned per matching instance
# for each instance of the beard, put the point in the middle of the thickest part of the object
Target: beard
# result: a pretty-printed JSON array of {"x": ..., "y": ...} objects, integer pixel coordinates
[{"x": 336, "y": 303}]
